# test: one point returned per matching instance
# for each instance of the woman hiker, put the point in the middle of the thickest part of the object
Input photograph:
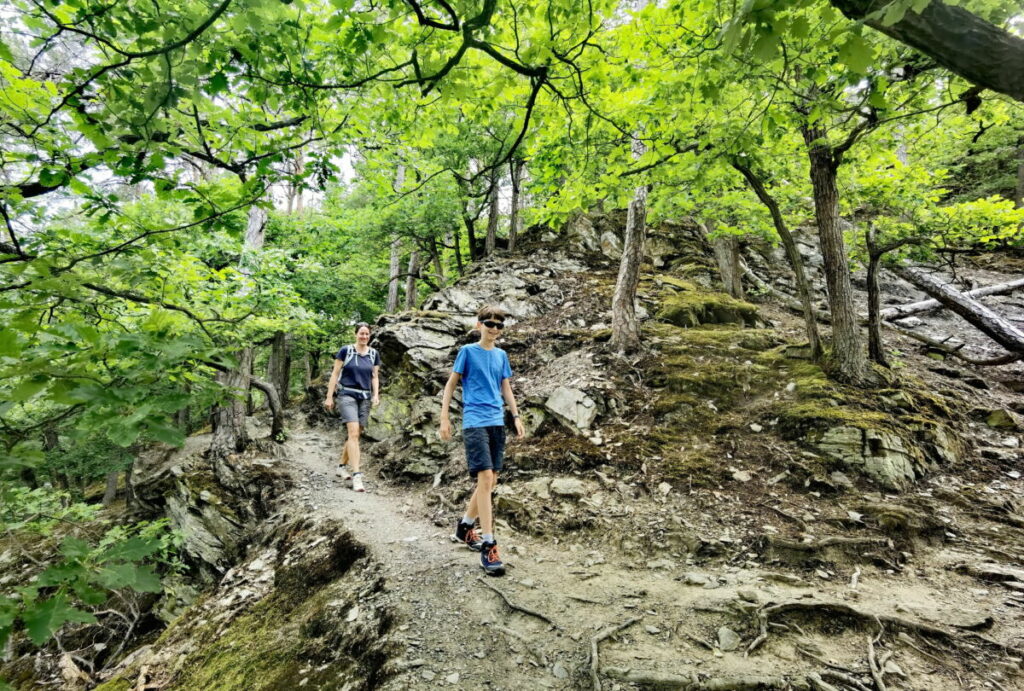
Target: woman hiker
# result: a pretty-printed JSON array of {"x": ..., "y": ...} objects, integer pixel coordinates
[{"x": 359, "y": 366}]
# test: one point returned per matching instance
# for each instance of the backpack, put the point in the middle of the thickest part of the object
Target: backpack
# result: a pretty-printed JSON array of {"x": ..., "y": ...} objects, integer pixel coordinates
[{"x": 352, "y": 353}]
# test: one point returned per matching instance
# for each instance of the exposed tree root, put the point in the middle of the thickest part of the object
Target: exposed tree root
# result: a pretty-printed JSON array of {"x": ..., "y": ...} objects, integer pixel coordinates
[
  {"x": 693, "y": 683},
  {"x": 519, "y": 608},
  {"x": 596, "y": 641}
]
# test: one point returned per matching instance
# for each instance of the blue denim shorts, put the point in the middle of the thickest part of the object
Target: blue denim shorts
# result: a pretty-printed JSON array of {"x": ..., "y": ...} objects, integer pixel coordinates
[{"x": 485, "y": 448}]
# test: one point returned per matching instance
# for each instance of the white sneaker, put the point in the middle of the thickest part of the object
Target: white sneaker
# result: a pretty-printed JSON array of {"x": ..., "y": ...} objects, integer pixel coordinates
[
  {"x": 357, "y": 483},
  {"x": 343, "y": 472}
]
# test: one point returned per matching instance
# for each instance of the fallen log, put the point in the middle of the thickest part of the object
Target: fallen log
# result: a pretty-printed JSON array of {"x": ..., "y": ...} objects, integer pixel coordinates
[
  {"x": 900, "y": 311},
  {"x": 978, "y": 315}
]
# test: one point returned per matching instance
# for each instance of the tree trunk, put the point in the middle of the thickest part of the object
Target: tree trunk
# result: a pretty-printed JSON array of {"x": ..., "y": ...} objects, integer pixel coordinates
[
  {"x": 796, "y": 262},
  {"x": 279, "y": 366},
  {"x": 978, "y": 315},
  {"x": 513, "y": 219},
  {"x": 411, "y": 295},
  {"x": 492, "y": 215},
  {"x": 847, "y": 354},
  {"x": 625, "y": 328},
  {"x": 957, "y": 39},
  {"x": 129, "y": 490},
  {"x": 1018, "y": 198},
  {"x": 110, "y": 493},
  {"x": 900, "y": 311},
  {"x": 393, "y": 271},
  {"x": 276, "y": 412},
  {"x": 307, "y": 365},
  {"x": 876, "y": 349},
  {"x": 726, "y": 249},
  {"x": 229, "y": 433},
  {"x": 435, "y": 258}
]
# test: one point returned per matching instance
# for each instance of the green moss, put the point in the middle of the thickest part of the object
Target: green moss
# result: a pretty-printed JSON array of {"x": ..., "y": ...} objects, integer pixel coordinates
[
  {"x": 690, "y": 308},
  {"x": 115, "y": 684}
]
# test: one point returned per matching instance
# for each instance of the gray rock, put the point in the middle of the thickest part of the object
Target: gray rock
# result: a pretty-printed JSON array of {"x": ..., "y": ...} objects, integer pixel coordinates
[
  {"x": 693, "y": 578},
  {"x": 560, "y": 671},
  {"x": 728, "y": 639},
  {"x": 748, "y": 595},
  {"x": 573, "y": 408},
  {"x": 428, "y": 675},
  {"x": 569, "y": 487},
  {"x": 452, "y": 678}
]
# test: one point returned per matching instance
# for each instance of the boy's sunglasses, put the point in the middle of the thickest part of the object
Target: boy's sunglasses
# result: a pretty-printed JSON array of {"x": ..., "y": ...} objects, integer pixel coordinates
[{"x": 493, "y": 325}]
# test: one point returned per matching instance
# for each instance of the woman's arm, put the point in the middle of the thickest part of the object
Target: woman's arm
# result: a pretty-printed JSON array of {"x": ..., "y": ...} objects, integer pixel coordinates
[
  {"x": 329, "y": 401},
  {"x": 375, "y": 384}
]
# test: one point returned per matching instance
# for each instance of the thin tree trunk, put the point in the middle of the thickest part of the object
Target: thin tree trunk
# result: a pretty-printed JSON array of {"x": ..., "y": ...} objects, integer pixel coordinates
[
  {"x": 435, "y": 258},
  {"x": 110, "y": 493},
  {"x": 978, "y": 315},
  {"x": 279, "y": 366},
  {"x": 276, "y": 411},
  {"x": 796, "y": 262},
  {"x": 625, "y": 328},
  {"x": 129, "y": 489},
  {"x": 411, "y": 296},
  {"x": 513, "y": 220},
  {"x": 492, "y": 215},
  {"x": 876, "y": 349},
  {"x": 307, "y": 364},
  {"x": 1019, "y": 195},
  {"x": 394, "y": 268},
  {"x": 847, "y": 354},
  {"x": 229, "y": 432}
]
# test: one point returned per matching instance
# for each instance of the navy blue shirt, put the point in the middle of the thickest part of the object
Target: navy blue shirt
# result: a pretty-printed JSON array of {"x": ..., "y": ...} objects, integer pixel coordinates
[
  {"x": 482, "y": 373},
  {"x": 358, "y": 373}
]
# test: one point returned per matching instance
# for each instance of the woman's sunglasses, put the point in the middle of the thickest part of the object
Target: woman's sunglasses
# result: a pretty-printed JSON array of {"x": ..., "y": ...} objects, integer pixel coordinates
[{"x": 492, "y": 324}]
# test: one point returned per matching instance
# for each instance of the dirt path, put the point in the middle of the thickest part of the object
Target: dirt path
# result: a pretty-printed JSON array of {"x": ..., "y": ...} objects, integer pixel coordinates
[{"x": 458, "y": 633}]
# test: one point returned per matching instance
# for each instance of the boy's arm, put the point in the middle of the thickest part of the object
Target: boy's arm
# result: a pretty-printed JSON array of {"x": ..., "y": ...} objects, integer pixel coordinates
[
  {"x": 329, "y": 401},
  {"x": 446, "y": 401},
  {"x": 510, "y": 401}
]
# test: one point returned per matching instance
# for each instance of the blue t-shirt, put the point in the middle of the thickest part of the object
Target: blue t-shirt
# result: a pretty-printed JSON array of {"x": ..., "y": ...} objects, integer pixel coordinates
[
  {"x": 482, "y": 372},
  {"x": 358, "y": 373}
]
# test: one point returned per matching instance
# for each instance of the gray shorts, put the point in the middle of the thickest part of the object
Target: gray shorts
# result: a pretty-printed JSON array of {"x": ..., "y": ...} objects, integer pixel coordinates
[{"x": 353, "y": 409}]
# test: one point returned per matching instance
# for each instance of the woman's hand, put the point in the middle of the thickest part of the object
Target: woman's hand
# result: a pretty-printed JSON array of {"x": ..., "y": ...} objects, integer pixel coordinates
[
  {"x": 329, "y": 403},
  {"x": 376, "y": 400}
]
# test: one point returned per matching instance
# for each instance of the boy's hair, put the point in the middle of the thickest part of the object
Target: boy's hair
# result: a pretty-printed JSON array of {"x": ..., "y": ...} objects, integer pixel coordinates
[{"x": 490, "y": 312}]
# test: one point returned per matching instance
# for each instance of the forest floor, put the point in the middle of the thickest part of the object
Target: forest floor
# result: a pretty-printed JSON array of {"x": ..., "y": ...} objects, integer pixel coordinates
[{"x": 944, "y": 617}]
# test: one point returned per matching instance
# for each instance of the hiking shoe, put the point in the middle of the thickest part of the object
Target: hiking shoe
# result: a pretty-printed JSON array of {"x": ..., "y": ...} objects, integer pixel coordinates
[
  {"x": 468, "y": 535},
  {"x": 490, "y": 560},
  {"x": 344, "y": 473},
  {"x": 357, "y": 483}
]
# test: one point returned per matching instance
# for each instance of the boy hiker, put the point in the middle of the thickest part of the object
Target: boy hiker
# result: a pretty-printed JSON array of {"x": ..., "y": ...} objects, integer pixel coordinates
[{"x": 484, "y": 371}]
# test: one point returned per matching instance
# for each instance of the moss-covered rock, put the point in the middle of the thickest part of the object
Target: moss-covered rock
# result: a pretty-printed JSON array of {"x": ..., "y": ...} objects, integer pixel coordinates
[{"x": 688, "y": 306}]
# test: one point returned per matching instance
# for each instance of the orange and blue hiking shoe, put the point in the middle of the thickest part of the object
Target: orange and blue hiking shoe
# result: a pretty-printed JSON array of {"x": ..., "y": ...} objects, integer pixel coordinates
[
  {"x": 490, "y": 560},
  {"x": 468, "y": 535}
]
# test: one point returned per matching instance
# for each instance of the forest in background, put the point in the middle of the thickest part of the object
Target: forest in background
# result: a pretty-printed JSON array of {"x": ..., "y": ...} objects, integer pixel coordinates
[{"x": 199, "y": 198}]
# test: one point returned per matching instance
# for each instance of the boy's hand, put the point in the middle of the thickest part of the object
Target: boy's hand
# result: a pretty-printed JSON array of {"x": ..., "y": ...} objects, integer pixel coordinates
[
  {"x": 329, "y": 403},
  {"x": 446, "y": 430},
  {"x": 520, "y": 431}
]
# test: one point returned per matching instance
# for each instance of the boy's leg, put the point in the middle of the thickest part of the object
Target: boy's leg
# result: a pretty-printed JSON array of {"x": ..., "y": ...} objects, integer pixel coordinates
[{"x": 485, "y": 480}]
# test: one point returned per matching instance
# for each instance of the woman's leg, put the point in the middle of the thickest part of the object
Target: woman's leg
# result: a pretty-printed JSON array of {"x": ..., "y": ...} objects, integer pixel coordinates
[{"x": 352, "y": 446}]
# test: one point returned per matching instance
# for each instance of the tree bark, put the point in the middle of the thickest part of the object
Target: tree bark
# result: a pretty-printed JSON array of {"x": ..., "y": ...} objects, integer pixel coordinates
[
  {"x": 847, "y": 354},
  {"x": 279, "y": 366},
  {"x": 978, "y": 315},
  {"x": 957, "y": 39},
  {"x": 625, "y": 328},
  {"x": 876, "y": 349},
  {"x": 110, "y": 493},
  {"x": 413, "y": 273},
  {"x": 1018, "y": 198},
  {"x": 513, "y": 220},
  {"x": 726, "y": 249},
  {"x": 492, "y": 215},
  {"x": 796, "y": 262},
  {"x": 900, "y": 311},
  {"x": 276, "y": 411},
  {"x": 229, "y": 432},
  {"x": 393, "y": 270}
]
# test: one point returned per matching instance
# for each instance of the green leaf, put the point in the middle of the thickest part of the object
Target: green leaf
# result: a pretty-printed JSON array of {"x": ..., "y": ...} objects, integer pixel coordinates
[
  {"x": 28, "y": 388},
  {"x": 5, "y": 52},
  {"x": 43, "y": 619},
  {"x": 132, "y": 549},
  {"x": 75, "y": 548},
  {"x": 856, "y": 54},
  {"x": 146, "y": 580},
  {"x": 167, "y": 434}
]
